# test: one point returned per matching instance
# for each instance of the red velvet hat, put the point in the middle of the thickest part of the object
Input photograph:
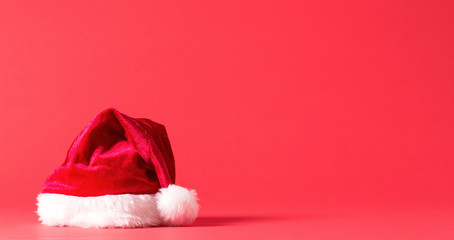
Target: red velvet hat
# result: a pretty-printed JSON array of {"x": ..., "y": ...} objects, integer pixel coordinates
[{"x": 119, "y": 172}]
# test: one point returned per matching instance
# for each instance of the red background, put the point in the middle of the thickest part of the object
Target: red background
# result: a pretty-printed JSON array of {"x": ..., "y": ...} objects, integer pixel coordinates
[{"x": 292, "y": 119}]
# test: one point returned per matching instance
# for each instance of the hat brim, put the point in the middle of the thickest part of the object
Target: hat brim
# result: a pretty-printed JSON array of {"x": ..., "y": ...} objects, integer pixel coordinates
[
  {"x": 173, "y": 205},
  {"x": 107, "y": 211}
]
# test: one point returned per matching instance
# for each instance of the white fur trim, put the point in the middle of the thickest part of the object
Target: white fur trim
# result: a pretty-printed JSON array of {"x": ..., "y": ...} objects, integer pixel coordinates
[
  {"x": 123, "y": 210},
  {"x": 177, "y": 205}
]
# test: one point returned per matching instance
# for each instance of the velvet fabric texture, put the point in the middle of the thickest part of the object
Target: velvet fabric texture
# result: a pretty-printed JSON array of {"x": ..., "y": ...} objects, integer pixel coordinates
[{"x": 115, "y": 154}]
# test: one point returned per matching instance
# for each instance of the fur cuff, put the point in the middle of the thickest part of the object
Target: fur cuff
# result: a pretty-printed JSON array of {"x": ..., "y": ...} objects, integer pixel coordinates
[{"x": 173, "y": 205}]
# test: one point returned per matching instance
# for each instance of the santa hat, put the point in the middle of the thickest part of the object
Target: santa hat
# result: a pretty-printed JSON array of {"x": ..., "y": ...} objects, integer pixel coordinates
[{"x": 119, "y": 172}]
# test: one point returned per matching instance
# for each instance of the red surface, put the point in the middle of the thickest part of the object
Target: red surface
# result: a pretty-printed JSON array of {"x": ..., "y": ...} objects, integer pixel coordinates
[{"x": 292, "y": 119}]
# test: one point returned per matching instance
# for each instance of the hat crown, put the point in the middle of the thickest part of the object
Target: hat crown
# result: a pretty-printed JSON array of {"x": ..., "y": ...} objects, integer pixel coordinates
[{"x": 115, "y": 154}]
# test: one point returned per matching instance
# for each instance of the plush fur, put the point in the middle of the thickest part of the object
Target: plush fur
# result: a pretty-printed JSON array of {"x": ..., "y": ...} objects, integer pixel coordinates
[
  {"x": 124, "y": 210},
  {"x": 177, "y": 205},
  {"x": 173, "y": 205}
]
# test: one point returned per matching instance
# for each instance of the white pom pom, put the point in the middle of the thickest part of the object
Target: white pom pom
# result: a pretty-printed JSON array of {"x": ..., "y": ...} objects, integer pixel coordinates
[{"x": 177, "y": 205}]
